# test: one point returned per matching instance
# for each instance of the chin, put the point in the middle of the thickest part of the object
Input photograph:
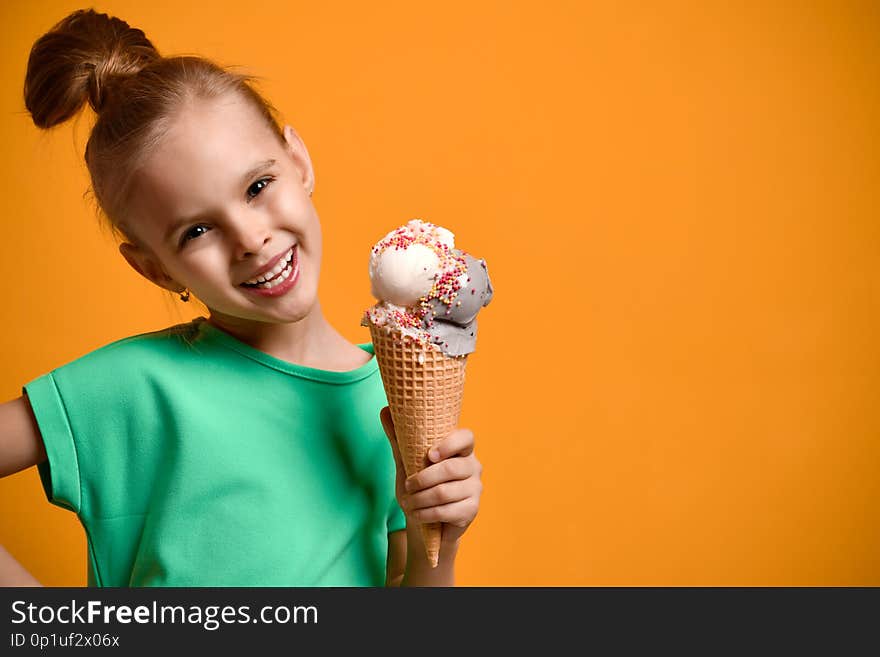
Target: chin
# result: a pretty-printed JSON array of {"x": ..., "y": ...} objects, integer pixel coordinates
[
  {"x": 288, "y": 314},
  {"x": 297, "y": 314}
]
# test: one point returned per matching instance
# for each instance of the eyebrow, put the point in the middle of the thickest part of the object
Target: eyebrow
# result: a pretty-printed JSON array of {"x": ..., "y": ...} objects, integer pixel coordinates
[{"x": 248, "y": 175}]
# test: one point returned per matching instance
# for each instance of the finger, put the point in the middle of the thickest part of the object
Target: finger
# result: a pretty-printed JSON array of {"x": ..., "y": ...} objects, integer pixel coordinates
[
  {"x": 457, "y": 467},
  {"x": 457, "y": 513},
  {"x": 388, "y": 426},
  {"x": 450, "y": 491},
  {"x": 459, "y": 443}
]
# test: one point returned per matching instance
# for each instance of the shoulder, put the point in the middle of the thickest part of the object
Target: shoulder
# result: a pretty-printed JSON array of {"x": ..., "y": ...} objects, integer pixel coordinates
[
  {"x": 135, "y": 351},
  {"x": 171, "y": 336}
]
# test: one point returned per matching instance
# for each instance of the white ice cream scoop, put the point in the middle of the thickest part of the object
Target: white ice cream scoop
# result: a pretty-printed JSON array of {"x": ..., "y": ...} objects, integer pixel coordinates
[{"x": 402, "y": 276}]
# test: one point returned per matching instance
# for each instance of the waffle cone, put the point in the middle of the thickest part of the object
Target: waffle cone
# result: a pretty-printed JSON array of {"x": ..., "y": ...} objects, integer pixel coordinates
[{"x": 424, "y": 388}]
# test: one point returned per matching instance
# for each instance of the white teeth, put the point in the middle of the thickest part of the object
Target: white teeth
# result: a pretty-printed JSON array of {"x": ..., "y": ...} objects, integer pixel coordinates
[
  {"x": 284, "y": 276},
  {"x": 277, "y": 269},
  {"x": 282, "y": 264}
]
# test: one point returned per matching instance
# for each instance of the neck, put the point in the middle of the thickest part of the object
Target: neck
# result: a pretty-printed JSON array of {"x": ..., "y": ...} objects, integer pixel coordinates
[{"x": 305, "y": 342}]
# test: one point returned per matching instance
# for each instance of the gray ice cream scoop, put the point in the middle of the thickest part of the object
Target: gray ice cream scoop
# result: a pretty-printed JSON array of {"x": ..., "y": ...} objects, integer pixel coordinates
[{"x": 453, "y": 327}]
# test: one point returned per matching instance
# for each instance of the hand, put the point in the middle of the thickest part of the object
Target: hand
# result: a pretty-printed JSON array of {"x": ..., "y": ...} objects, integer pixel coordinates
[{"x": 447, "y": 491}]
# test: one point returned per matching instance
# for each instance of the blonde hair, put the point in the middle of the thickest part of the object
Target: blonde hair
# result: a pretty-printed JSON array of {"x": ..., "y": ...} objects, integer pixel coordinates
[{"x": 99, "y": 59}]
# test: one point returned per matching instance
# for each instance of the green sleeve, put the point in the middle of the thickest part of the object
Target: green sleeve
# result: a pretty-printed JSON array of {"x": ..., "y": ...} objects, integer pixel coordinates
[{"x": 59, "y": 473}]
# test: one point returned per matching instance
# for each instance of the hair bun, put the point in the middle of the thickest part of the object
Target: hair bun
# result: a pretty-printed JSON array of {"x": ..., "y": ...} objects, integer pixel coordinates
[{"x": 82, "y": 59}]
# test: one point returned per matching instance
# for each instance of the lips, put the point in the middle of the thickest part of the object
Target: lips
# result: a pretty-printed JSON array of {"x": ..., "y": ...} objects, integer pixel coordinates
[
  {"x": 278, "y": 286},
  {"x": 274, "y": 263}
]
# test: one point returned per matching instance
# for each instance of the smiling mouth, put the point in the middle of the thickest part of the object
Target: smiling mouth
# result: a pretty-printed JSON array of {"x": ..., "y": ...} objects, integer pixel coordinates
[{"x": 278, "y": 275}]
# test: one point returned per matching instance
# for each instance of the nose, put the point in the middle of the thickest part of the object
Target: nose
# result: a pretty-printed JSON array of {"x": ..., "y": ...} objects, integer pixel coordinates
[{"x": 250, "y": 232}]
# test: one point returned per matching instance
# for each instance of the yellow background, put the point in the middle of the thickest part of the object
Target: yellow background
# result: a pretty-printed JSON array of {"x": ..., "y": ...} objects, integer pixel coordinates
[{"x": 677, "y": 382}]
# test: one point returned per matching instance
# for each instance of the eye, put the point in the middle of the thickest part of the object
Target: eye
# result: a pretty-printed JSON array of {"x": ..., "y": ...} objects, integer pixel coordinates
[
  {"x": 192, "y": 233},
  {"x": 254, "y": 190}
]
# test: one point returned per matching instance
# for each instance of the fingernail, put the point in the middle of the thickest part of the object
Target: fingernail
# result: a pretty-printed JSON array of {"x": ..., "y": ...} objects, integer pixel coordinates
[
  {"x": 409, "y": 484},
  {"x": 434, "y": 454}
]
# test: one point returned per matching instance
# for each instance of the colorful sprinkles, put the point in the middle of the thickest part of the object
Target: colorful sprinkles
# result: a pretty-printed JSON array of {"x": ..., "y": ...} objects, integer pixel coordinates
[{"x": 453, "y": 268}]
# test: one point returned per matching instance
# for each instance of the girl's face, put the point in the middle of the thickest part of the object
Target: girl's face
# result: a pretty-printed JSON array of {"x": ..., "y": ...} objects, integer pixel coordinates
[{"x": 218, "y": 203}]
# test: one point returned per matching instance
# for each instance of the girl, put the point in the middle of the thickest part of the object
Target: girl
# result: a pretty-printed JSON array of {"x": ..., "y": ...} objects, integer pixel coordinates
[{"x": 242, "y": 449}]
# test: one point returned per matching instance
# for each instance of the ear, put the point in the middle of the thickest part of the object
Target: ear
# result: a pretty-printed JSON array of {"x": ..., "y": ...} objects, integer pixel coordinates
[
  {"x": 145, "y": 264},
  {"x": 300, "y": 155}
]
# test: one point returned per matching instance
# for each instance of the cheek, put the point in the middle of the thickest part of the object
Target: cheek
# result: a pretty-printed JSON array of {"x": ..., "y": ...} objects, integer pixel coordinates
[
  {"x": 287, "y": 207},
  {"x": 206, "y": 266},
  {"x": 295, "y": 212},
  {"x": 316, "y": 241}
]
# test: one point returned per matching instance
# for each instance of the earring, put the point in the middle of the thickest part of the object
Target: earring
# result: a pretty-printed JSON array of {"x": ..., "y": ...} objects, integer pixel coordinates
[{"x": 184, "y": 296}]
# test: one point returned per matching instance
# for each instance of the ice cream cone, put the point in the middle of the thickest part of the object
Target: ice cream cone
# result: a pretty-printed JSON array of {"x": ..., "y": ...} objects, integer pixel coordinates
[{"x": 424, "y": 388}]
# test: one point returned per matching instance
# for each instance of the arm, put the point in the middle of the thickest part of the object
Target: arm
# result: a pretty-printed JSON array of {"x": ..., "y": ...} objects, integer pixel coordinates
[
  {"x": 408, "y": 565},
  {"x": 448, "y": 491},
  {"x": 396, "y": 558},
  {"x": 21, "y": 446},
  {"x": 13, "y": 573}
]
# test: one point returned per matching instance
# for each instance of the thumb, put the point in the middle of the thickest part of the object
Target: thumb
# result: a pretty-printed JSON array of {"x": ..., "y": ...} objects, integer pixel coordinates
[{"x": 388, "y": 425}]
